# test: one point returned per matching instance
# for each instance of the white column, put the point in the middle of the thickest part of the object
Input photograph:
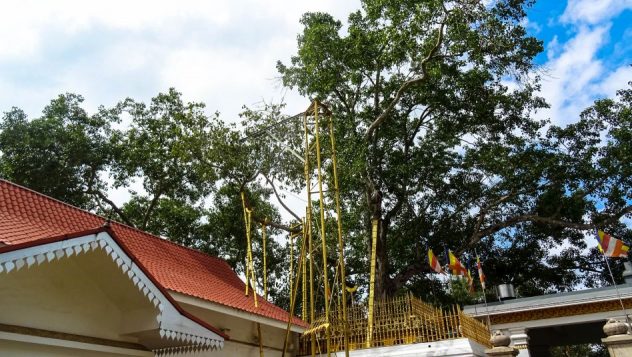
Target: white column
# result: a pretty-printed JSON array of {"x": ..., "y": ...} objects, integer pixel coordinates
[{"x": 519, "y": 340}]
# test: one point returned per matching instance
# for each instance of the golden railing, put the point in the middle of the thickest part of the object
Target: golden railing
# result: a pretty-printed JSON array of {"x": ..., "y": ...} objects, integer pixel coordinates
[{"x": 397, "y": 321}]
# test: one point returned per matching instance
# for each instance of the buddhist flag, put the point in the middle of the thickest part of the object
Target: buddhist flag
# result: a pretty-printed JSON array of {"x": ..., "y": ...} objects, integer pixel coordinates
[
  {"x": 481, "y": 275},
  {"x": 611, "y": 247},
  {"x": 434, "y": 262},
  {"x": 470, "y": 281},
  {"x": 456, "y": 266}
]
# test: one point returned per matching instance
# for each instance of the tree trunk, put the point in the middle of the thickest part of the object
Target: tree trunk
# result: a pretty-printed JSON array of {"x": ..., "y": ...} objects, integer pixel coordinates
[{"x": 383, "y": 286}]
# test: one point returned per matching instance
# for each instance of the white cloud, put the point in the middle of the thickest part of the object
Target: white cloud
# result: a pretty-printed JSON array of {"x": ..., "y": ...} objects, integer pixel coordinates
[
  {"x": 220, "y": 52},
  {"x": 528, "y": 24},
  {"x": 553, "y": 48},
  {"x": 617, "y": 79},
  {"x": 575, "y": 74},
  {"x": 571, "y": 74},
  {"x": 594, "y": 11}
]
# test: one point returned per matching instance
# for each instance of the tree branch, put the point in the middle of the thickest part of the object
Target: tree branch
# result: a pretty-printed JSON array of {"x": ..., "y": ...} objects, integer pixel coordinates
[
  {"x": 404, "y": 87},
  {"x": 115, "y": 208},
  {"x": 267, "y": 222},
  {"x": 151, "y": 207},
  {"x": 410, "y": 271},
  {"x": 427, "y": 111},
  {"x": 280, "y": 200},
  {"x": 477, "y": 236}
]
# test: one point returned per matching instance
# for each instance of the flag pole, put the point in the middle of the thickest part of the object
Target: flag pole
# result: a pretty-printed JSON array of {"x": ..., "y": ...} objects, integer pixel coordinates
[
  {"x": 625, "y": 312},
  {"x": 489, "y": 322}
]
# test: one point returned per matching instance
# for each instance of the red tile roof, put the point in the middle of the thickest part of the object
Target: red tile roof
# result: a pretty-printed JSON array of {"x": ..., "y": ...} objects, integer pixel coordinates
[{"x": 28, "y": 216}]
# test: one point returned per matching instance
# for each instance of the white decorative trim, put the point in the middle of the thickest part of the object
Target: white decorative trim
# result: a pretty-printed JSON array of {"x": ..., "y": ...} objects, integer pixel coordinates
[
  {"x": 211, "y": 306},
  {"x": 574, "y": 298},
  {"x": 174, "y": 351},
  {"x": 171, "y": 323}
]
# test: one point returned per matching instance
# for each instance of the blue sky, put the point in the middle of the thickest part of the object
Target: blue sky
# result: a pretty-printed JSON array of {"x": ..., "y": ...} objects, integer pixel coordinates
[
  {"x": 588, "y": 52},
  {"x": 223, "y": 52}
]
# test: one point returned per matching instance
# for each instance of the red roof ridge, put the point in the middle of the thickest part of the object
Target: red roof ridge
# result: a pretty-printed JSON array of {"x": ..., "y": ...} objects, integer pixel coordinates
[
  {"x": 50, "y": 198},
  {"x": 112, "y": 221},
  {"x": 166, "y": 240}
]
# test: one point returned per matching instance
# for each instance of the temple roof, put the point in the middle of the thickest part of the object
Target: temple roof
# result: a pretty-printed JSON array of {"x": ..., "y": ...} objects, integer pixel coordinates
[{"x": 28, "y": 218}]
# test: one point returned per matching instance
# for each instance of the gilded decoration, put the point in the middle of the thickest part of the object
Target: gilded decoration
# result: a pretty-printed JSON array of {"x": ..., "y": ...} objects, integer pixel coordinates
[{"x": 561, "y": 311}]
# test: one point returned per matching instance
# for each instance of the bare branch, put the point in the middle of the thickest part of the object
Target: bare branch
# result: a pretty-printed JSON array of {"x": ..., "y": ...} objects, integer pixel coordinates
[
  {"x": 269, "y": 223},
  {"x": 266, "y": 221},
  {"x": 421, "y": 121}
]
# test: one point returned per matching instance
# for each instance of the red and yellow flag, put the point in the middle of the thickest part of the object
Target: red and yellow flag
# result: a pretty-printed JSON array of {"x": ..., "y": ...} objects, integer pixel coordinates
[
  {"x": 456, "y": 266},
  {"x": 434, "y": 262},
  {"x": 611, "y": 247},
  {"x": 481, "y": 275},
  {"x": 470, "y": 282}
]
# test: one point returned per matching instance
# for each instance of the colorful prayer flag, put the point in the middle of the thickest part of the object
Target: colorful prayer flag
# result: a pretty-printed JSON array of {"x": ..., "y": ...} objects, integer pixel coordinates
[
  {"x": 434, "y": 262},
  {"x": 481, "y": 275},
  {"x": 611, "y": 247},
  {"x": 456, "y": 266},
  {"x": 470, "y": 281}
]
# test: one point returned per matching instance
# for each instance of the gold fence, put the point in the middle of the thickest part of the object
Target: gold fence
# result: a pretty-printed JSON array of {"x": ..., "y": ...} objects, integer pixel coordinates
[{"x": 397, "y": 321}]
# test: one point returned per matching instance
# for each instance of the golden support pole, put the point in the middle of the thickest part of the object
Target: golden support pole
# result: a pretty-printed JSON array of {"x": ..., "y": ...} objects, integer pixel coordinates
[
  {"x": 249, "y": 264},
  {"x": 243, "y": 206},
  {"x": 308, "y": 229},
  {"x": 322, "y": 225},
  {"x": 369, "y": 332},
  {"x": 341, "y": 252},
  {"x": 260, "y": 340},
  {"x": 293, "y": 299},
  {"x": 291, "y": 275},
  {"x": 304, "y": 286},
  {"x": 265, "y": 266}
]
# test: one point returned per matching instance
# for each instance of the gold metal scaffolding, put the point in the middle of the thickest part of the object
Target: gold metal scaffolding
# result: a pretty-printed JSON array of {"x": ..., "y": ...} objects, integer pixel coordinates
[
  {"x": 313, "y": 150},
  {"x": 385, "y": 322},
  {"x": 315, "y": 163},
  {"x": 397, "y": 321}
]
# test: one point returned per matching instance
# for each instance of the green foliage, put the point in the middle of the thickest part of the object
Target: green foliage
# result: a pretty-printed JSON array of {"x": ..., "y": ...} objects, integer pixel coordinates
[
  {"x": 174, "y": 149},
  {"x": 59, "y": 154},
  {"x": 433, "y": 105},
  {"x": 425, "y": 118},
  {"x": 165, "y": 147},
  {"x": 586, "y": 350}
]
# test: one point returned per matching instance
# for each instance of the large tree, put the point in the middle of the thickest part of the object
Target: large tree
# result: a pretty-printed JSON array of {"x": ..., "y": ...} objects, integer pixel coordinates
[
  {"x": 62, "y": 153},
  {"x": 190, "y": 164},
  {"x": 433, "y": 104}
]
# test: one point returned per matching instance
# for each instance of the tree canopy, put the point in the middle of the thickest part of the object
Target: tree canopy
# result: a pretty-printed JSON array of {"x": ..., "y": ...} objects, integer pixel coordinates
[{"x": 434, "y": 106}]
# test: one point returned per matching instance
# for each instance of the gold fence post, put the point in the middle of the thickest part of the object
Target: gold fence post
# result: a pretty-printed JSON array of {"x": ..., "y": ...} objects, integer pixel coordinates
[{"x": 369, "y": 332}]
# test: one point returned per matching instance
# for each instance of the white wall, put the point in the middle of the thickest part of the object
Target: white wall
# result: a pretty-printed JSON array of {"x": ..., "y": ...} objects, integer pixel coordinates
[
  {"x": 81, "y": 295},
  {"x": 461, "y": 347},
  {"x": 49, "y": 348},
  {"x": 242, "y": 333}
]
